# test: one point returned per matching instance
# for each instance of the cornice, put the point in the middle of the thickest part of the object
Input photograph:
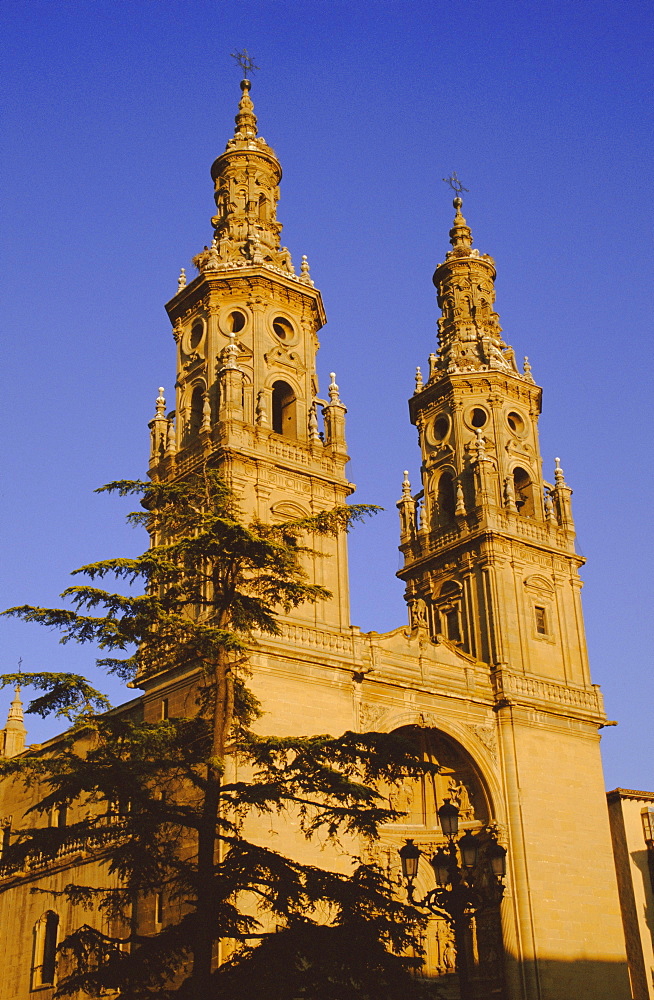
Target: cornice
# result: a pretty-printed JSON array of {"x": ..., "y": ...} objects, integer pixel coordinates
[
  {"x": 629, "y": 793},
  {"x": 252, "y": 277}
]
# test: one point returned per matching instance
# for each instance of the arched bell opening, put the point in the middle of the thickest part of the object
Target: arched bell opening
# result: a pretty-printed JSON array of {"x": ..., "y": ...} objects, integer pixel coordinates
[
  {"x": 523, "y": 489},
  {"x": 195, "y": 412},
  {"x": 446, "y": 497},
  {"x": 284, "y": 410}
]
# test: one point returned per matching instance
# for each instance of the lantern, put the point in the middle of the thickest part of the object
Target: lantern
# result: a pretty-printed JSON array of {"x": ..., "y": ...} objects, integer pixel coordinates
[
  {"x": 448, "y": 816},
  {"x": 497, "y": 856},
  {"x": 441, "y": 865},
  {"x": 469, "y": 849},
  {"x": 409, "y": 856}
]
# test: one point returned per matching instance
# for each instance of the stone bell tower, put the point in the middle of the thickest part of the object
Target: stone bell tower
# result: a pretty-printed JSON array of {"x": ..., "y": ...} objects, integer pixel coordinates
[
  {"x": 485, "y": 516},
  {"x": 491, "y": 571},
  {"x": 247, "y": 399}
]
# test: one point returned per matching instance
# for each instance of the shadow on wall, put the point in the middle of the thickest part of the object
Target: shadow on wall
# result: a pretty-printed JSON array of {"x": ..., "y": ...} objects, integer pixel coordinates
[
  {"x": 643, "y": 863},
  {"x": 548, "y": 979},
  {"x": 288, "y": 968}
]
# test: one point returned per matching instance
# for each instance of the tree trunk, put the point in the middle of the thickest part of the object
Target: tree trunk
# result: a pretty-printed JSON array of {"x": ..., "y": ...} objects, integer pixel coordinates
[{"x": 223, "y": 714}]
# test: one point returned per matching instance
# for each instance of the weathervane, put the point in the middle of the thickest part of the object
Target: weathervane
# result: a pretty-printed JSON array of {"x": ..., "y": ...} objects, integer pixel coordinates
[
  {"x": 245, "y": 61},
  {"x": 455, "y": 184}
]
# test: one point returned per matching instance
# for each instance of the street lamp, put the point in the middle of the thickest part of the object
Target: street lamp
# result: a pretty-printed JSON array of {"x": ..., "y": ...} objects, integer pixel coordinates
[
  {"x": 461, "y": 889},
  {"x": 496, "y": 855},
  {"x": 448, "y": 816},
  {"x": 410, "y": 856}
]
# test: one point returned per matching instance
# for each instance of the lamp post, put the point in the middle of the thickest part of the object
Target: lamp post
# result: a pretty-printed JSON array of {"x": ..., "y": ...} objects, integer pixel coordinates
[{"x": 462, "y": 889}]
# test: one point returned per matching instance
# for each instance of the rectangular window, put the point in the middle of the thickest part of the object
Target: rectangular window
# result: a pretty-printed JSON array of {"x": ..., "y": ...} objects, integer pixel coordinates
[
  {"x": 453, "y": 630},
  {"x": 164, "y": 709},
  {"x": 158, "y": 908},
  {"x": 541, "y": 620}
]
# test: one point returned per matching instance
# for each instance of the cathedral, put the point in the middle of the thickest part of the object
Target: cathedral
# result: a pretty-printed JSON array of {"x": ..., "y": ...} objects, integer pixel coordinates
[{"x": 489, "y": 671}]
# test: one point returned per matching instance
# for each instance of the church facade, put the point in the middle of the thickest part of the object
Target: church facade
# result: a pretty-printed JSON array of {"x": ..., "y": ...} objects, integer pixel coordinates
[{"x": 490, "y": 672}]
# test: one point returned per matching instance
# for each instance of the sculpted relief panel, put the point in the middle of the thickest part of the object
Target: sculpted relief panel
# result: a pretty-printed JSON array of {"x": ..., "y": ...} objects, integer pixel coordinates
[{"x": 457, "y": 780}]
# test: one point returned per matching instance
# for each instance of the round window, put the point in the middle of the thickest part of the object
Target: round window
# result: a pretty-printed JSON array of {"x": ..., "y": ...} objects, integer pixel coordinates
[
  {"x": 478, "y": 417},
  {"x": 236, "y": 321},
  {"x": 282, "y": 328},
  {"x": 515, "y": 422}
]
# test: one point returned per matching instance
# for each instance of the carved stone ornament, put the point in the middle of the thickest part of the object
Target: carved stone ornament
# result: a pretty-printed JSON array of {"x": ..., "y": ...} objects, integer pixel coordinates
[
  {"x": 370, "y": 716},
  {"x": 488, "y": 737},
  {"x": 418, "y": 614}
]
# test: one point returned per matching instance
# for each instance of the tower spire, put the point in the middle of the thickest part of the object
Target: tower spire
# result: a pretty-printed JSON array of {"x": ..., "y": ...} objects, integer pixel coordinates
[
  {"x": 13, "y": 735},
  {"x": 469, "y": 330},
  {"x": 246, "y": 120},
  {"x": 460, "y": 233},
  {"x": 246, "y": 191}
]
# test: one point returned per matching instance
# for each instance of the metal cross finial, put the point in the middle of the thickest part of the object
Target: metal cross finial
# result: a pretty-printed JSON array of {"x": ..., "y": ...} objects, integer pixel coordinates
[
  {"x": 245, "y": 61},
  {"x": 20, "y": 664},
  {"x": 455, "y": 184}
]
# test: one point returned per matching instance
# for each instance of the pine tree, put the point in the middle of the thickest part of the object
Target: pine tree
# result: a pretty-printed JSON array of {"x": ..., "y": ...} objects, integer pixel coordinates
[{"x": 166, "y": 815}]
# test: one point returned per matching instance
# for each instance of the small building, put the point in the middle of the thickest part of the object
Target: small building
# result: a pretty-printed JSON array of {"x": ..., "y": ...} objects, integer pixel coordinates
[{"x": 631, "y": 816}]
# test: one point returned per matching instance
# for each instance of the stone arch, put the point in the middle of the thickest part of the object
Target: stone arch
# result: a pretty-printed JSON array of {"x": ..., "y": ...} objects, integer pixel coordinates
[
  {"x": 460, "y": 780},
  {"x": 464, "y": 780},
  {"x": 480, "y": 752}
]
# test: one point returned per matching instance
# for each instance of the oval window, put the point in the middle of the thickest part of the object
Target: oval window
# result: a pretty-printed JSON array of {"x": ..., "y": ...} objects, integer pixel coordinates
[
  {"x": 478, "y": 417},
  {"x": 441, "y": 427},
  {"x": 197, "y": 333}
]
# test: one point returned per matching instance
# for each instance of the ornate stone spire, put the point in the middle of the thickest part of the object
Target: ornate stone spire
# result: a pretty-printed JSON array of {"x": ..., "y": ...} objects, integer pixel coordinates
[
  {"x": 460, "y": 233},
  {"x": 246, "y": 191},
  {"x": 469, "y": 331},
  {"x": 246, "y": 120},
  {"x": 14, "y": 733}
]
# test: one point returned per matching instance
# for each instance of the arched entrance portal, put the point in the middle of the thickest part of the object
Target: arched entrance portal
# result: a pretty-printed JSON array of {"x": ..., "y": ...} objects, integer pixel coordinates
[{"x": 460, "y": 781}]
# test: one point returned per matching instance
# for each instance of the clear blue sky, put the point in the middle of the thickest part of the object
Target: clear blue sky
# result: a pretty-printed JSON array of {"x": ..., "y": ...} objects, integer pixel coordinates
[{"x": 113, "y": 113}]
